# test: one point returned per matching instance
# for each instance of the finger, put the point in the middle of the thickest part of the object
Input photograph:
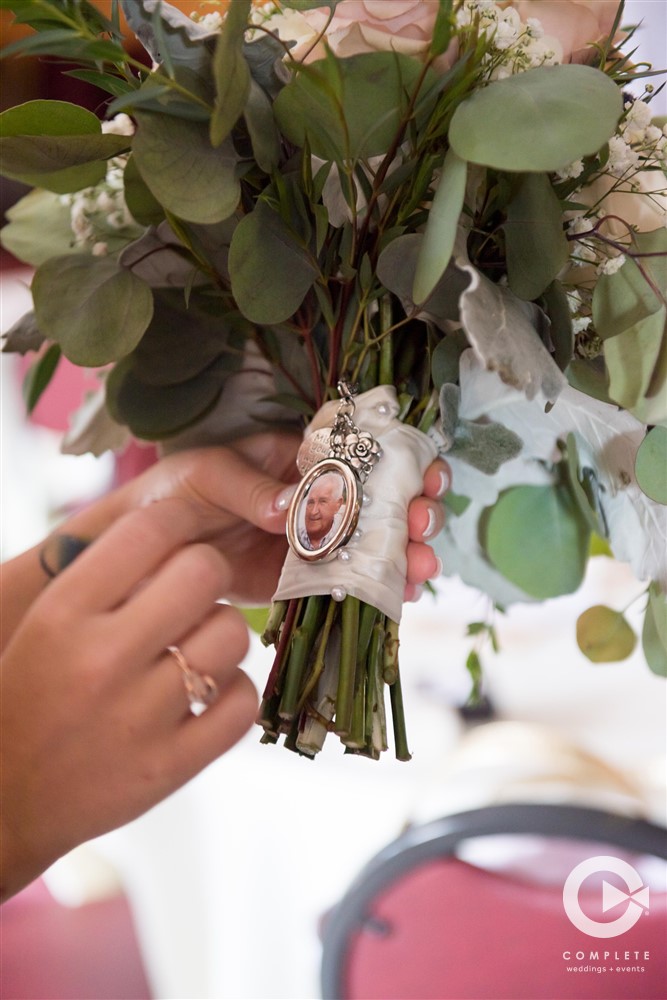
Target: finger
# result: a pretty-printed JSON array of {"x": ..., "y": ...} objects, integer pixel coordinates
[
  {"x": 222, "y": 481},
  {"x": 412, "y": 593},
  {"x": 425, "y": 519},
  {"x": 214, "y": 649},
  {"x": 113, "y": 565},
  {"x": 180, "y": 595},
  {"x": 437, "y": 479},
  {"x": 423, "y": 564},
  {"x": 201, "y": 739}
]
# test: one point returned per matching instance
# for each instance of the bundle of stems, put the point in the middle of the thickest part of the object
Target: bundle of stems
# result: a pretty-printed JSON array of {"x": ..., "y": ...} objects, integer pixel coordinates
[{"x": 333, "y": 661}]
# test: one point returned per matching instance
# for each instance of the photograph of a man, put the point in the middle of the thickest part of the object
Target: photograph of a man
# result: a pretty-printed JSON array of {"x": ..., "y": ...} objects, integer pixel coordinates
[{"x": 322, "y": 512}]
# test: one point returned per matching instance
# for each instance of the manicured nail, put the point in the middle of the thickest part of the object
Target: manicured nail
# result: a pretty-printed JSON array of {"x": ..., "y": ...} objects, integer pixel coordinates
[
  {"x": 282, "y": 501},
  {"x": 445, "y": 482},
  {"x": 429, "y": 530},
  {"x": 416, "y": 594},
  {"x": 437, "y": 571}
]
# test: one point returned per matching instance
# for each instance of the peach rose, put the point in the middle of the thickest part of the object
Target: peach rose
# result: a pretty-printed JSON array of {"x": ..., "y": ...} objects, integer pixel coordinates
[
  {"x": 577, "y": 24},
  {"x": 358, "y": 26}
]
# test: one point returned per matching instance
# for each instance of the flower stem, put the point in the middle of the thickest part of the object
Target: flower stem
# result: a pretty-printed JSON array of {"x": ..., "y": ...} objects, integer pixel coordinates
[{"x": 348, "y": 663}]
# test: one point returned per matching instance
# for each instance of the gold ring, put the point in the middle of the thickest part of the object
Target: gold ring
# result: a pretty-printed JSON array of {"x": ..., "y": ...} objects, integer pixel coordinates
[{"x": 201, "y": 689}]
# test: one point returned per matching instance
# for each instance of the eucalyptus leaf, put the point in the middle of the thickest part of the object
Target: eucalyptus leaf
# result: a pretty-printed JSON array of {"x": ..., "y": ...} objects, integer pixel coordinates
[
  {"x": 39, "y": 227},
  {"x": 441, "y": 228},
  {"x": 651, "y": 465},
  {"x": 264, "y": 58},
  {"x": 348, "y": 109},
  {"x": 159, "y": 258},
  {"x": 576, "y": 479},
  {"x": 631, "y": 359},
  {"x": 183, "y": 339},
  {"x": 536, "y": 538},
  {"x": 155, "y": 412},
  {"x": 230, "y": 72},
  {"x": 535, "y": 243},
  {"x": 55, "y": 145},
  {"x": 604, "y": 635},
  {"x": 654, "y": 633},
  {"x": 183, "y": 171},
  {"x": 142, "y": 204},
  {"x": 94, "y": 309},
  {"x": 271, "y": 271},
  {"x": 445, "y": 359},
  {"x": 396, "y": 269},
  {"x": 624, "y": 299},
  {"x": 255, "y": 618},
  {"x": 539, "y": 120},
  {"x": 264, "y": 135},
  {"x": 557, "y": 308}
]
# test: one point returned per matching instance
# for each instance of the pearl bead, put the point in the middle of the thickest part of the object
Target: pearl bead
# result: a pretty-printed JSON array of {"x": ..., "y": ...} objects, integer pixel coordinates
[
  {"x": 383, "y": 409},
  {"x": 367, "y": 501},
  {"x": 357, "y": 535},
  {"x": 338, "y": 593},
  {"x": 344, "y": 555}
]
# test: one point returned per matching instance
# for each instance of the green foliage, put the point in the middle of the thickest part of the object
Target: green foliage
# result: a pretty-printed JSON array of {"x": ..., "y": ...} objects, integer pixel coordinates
[
  {"x": 654, "y": 633},
  {"x": 55, "y": 145},
  {"x": 604, "y": 635},
  {"x": 440, "y": 233},
  {"x": 39, "y": 375},
  {"x": 535, "y": 243},
  {"x": 348, "y": 109},
  {"x": 555, "y": 561},
  {"x": 94, "y": 309},
  {"x": 651, "y": 464},
  {"x": 230, "y": 73},
  {"x": 43, "y": 212},
  {"x": 554, "y": 115},
  {"x": 183, "y": 171},
  {"x": 153, "y": 412},
  {"x": 270, "y": 271}
]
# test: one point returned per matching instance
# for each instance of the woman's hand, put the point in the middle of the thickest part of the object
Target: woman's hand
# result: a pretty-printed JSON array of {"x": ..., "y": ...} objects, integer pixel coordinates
[
  {"x": 95, "y": 719},
  {"x": 240, "y": 497}
]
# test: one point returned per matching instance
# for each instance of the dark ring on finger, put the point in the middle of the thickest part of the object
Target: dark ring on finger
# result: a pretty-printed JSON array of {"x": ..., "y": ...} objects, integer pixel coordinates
[{"x": 59, "y": 551}]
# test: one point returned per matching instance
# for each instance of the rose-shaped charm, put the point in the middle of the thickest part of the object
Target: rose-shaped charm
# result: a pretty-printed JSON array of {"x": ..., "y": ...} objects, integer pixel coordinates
[{"x": 361, "y": 451}]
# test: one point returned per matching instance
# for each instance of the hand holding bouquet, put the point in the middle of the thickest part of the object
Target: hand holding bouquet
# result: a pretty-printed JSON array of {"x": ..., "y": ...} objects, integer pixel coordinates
[{"x": 416, "y": 226}]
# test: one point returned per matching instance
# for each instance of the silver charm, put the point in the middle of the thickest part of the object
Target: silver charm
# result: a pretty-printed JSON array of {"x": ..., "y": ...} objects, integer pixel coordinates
[{"x": 324, "y": 511}]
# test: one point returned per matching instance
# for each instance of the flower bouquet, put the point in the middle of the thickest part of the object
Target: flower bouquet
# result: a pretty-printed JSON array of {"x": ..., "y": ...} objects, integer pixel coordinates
[{"x": 411, "y": 227}]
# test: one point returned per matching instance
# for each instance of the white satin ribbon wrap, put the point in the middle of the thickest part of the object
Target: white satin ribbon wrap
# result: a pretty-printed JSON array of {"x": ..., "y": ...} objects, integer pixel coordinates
[{"x": 376, "y": 570}]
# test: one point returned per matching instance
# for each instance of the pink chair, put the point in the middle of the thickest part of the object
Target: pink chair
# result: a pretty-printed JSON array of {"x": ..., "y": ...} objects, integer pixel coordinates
[{"x": 421, "y": 923}]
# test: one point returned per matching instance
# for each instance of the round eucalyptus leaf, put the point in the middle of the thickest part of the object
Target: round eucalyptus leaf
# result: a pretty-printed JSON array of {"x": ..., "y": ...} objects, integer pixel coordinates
[
  {"x": 55, "y": 145},
  {"x": 651, "y": 465},
  {"x": 142, "y": 204},
  {"x": 186, "y": 175},
  {"x": 348, "y": 109},
  {"x": 96, "y": 310},
  {"x": 539, "y": 120},
  {"x": 604, "y": 636},
  {"x": 270, "y": 271},
  {"x": 153, "y": 412},
  {"x": 536, "y": 538}
]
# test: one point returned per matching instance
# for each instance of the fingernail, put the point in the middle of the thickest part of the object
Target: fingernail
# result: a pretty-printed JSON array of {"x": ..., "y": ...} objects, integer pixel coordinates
[
  {"x": 438, "y": 569},
  {"x": 282, "y": 501},
  {"x": 416, "y": 594},
  {"x": 445, "y": 482},
  {"x": 429, "y": 530}
]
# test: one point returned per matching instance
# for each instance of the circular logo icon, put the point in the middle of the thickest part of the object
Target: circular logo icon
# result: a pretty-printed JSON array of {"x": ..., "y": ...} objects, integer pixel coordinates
[{"x": 635, "y": 899}]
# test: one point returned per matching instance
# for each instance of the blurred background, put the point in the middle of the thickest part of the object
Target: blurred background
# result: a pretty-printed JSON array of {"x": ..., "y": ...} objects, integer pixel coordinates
[{"x": 223, "y": 890}]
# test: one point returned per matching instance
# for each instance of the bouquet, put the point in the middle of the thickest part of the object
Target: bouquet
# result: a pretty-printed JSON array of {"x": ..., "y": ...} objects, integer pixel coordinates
[{"x": 410, "y": 227}]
